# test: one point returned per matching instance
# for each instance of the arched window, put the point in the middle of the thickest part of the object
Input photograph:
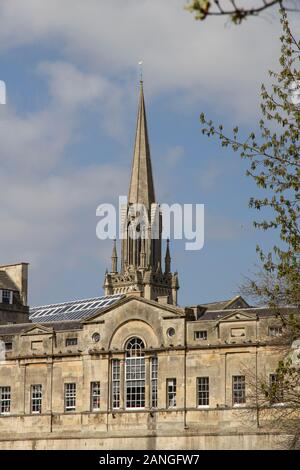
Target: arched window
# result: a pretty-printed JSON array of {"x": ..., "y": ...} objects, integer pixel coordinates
[
  {"x": 135, "y": 373},
  {"x": 134, "y": 347}
]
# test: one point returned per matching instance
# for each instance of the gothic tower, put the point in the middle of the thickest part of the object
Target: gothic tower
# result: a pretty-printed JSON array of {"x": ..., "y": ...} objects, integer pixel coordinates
[{"x": 141, "y": 270}]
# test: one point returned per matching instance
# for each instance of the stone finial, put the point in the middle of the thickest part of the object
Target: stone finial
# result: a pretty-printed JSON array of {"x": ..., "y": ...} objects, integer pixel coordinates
[{"x": 168, "y": 258}]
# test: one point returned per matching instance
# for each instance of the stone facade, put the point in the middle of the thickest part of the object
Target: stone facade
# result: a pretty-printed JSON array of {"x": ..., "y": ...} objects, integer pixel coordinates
[
  {"x": 13, "y": 293},
  {"x": 40, "y": 354},
  {"x": 134, "y": 370}
]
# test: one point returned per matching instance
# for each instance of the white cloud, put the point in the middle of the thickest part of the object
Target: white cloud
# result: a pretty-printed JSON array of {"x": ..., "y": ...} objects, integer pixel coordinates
[
  {"x": 52, "y": 220},
  {"x": 71, "y": 87},
  {"x": 48, "y": 211},
  {"x": 48, "y": 207},
  {"x": 44, "y": 135},
  {"x": 34, "y": 142},
  {"x": 207, "y": 61}
]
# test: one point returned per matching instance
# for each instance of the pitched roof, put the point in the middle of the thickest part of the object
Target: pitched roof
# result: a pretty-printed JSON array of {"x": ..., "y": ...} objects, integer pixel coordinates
[
  {"x": 260, "y": 312},
  {"x": 235, "y": 302},
  {"x": 74, "y": 310},
  {"x": 6, "y": 282},
  {"x": 57, "y": 326},
  {"x": 170, "y": 309}
]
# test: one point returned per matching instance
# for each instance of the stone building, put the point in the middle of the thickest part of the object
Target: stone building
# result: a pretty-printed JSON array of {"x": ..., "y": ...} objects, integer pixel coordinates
[
  {"x": 132, "y": 369},
  {"x": 13, "y": 294}
]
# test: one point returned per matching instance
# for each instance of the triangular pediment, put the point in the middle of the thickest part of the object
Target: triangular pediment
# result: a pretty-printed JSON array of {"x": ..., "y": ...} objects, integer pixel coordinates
[
  {"x": 238, "y": 316},
  {"x": 165, "y": 309},
  {"x": 37, "y": 330},
  {"x": 237, "y": 302}
]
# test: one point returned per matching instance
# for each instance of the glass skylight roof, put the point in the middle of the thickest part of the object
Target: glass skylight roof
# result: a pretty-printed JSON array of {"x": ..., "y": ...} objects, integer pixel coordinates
[{"x": 75, "y": 310}]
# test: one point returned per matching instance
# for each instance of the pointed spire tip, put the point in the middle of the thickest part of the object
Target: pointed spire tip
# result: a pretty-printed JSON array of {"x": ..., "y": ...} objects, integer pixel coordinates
[{"x": 141, "y": 189}]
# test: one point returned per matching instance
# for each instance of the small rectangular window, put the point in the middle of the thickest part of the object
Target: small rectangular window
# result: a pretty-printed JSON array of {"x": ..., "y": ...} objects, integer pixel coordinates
[
  {"x": 275, "y": 330},
  {"x": 71, "y": 341},
  {"x": 70, "y": 397},
  {"x": 5, "y": 400},
  {"x": 238, "y": 390},
  {"x": 154, "y": 377},
  {"x": 7, "y": 296},
  {"x": 95, "y": 396},
  {"x": 8, "y": 346},
  {"x": 203, "y": 391},
  {"x": 36, "y": 399},
  {"x": 200, "y": 335},
  {"x": 115, "y": 383},
  {"x": 171, "y": 393}
]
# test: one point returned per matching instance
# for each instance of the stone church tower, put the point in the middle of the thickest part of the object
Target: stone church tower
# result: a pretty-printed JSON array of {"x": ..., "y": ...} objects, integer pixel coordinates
[{"x": 141, "y": 247}]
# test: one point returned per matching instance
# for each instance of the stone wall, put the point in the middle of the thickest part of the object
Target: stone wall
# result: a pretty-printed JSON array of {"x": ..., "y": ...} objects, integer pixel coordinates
[{"x": 140, "y": 441}]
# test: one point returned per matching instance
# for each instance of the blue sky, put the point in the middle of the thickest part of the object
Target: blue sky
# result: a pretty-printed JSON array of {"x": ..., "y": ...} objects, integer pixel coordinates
[{"x": 71, "y": 71}]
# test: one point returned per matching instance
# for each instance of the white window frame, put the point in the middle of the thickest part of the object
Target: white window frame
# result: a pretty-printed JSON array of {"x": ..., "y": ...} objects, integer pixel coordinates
[
  {"x": 171, "y": 393},
  {"x": 275, "y": 331},
  {"x": 198, "y": 335},
  {"x": 135, "y": 375},
  {"x": 116, "y": 382},
  {"x": 154, "y": 382},
  {"x": 10, "y": 300},
  {"x": 203, "y": 391},
  {"x": 36, "y": 398},
  {"x": 71, "y": 338},
  {"x": 238, "y": 381},
  {"x": 95, "y": 396},
  {"x": 70, "y": 396},
  {"x": 5, "y": 399}
]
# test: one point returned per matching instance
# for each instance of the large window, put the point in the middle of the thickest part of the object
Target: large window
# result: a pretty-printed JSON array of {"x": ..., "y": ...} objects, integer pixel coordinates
[
  {"x": 95, "y": 396},
  {"x": 135, "y": 374},
  {"x": 36, "y": 399},
  {"x": 171, "y": 393},
  {"x": 154, "y": 371},
  {"x": 115, "y": 383},
  {"x": 5, "y": 400},
  {"x": 70, "y": 397},
  {"x": 203, "y": 391},
  {"x": 238, "y": 390}
]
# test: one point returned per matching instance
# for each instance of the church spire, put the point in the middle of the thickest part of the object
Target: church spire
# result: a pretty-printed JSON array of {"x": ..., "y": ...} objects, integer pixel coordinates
[
  {"x": 141, "y": 189},
  {"x": 141, "y": 269},
  {"x": 114, "y": 258},
  {"x": 168, "y": 258}
]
